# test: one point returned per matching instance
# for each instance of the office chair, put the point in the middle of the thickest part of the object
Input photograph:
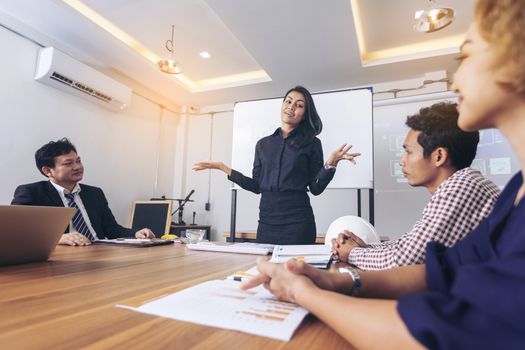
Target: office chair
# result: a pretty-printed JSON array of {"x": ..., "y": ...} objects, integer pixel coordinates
[{"x": 359, "y": 226}]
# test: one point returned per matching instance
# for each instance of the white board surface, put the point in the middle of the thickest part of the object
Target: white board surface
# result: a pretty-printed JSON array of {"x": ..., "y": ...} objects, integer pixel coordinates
[{"x": 346, "y": 117}]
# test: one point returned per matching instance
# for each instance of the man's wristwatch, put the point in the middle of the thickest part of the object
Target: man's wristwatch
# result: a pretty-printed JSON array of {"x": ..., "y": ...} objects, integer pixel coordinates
[{"x": 356, "y": 279}]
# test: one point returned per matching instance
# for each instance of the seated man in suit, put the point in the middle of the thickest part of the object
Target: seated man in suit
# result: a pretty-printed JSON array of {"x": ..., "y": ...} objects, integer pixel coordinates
[
  {"x": 437, "y": 156},
  {"x": 60, "y": 163}
]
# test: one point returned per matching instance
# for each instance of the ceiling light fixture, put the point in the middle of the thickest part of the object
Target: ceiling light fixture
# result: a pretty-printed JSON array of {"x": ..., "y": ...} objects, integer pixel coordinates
[
  {"x": 205, "y": 54},
  {"x": 433, "y": 18},
  {"x": 169, "y": 65}
]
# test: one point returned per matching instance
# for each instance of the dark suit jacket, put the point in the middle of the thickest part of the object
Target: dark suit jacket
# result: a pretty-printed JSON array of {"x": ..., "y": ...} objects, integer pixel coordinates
[{"x": 43, "y": 193}]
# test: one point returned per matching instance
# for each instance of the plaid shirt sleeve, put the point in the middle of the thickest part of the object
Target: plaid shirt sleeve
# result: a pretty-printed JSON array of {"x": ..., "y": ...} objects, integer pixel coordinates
[{"x": 454, "y": 210}]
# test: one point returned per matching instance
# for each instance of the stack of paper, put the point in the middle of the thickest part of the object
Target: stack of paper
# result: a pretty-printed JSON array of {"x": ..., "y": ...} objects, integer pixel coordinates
[
  {"x": 245, "y": 248},
  {"x": 315, "y": 254},
  {"x": 222, "y": 304}
]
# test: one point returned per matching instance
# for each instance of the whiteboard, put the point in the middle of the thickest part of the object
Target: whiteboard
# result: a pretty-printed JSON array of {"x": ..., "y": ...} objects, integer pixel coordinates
[{"x": 346, "y": 117}]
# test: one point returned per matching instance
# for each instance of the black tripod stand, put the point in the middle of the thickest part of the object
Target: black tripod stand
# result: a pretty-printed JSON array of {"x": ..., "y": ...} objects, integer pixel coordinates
[{"x": 180, "y": 209}]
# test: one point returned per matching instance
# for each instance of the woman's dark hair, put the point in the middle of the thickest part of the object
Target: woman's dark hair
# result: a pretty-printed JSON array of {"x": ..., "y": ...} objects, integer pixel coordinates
[
  {"x": 311, "y": 125},
  {"x": 45, "y": 155},
  {"x": 439, "y": 128}
]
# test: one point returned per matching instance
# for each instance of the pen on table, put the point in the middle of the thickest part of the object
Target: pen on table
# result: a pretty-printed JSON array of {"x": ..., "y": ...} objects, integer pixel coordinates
[
  {"x": 243, "y": 273},
  {"x": 331, "y": 260},
  {"x": 351, "y": 238},
  {"x": 238, "y": 278}
]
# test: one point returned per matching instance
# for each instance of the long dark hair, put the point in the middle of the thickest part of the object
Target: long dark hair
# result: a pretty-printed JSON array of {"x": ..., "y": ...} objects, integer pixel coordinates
[{"x": 311, "y": 125}]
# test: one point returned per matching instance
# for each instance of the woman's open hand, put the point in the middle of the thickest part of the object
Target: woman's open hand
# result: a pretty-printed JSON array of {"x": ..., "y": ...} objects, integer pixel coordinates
[{"x": 342, "y": 153}]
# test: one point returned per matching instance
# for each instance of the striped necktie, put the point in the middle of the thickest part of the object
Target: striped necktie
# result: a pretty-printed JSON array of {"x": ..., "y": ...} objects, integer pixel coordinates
[{"x": 79, "y": 223}]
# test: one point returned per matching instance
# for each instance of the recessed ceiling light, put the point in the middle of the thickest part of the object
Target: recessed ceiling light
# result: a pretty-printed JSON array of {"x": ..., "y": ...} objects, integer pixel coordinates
[
  {"x": 205, "y": 54},
  {"x": 246, "y": 78}
]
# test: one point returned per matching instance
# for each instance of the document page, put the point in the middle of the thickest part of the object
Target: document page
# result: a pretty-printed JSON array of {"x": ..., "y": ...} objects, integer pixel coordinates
[
  {"x": 310, "y": 253},
  {"x": 243, "y": 248},
  {"x": 220, "y": 303}
]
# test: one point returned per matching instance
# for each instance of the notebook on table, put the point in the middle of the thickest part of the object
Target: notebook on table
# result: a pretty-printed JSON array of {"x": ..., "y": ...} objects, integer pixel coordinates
[
  {"x": 317, "y": 255},
  {"x": 30, "y": 233},
  {"x": 242, "y": 248}
]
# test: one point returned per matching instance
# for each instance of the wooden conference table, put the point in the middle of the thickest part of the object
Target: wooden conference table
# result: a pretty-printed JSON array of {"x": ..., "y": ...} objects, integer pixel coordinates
[{"x": 69, "y": 302}]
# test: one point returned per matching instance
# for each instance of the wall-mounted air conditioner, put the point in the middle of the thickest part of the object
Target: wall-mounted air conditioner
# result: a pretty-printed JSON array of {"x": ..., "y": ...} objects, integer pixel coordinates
[{"x": 56, "y": 69}]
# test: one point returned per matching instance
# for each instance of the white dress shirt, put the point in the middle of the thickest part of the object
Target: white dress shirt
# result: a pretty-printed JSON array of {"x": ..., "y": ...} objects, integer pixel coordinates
[{"x": 76, "y": 192}]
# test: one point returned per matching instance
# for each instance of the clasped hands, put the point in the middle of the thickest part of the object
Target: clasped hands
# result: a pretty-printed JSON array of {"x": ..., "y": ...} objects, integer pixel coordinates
[{"x": 345, "y": 242}]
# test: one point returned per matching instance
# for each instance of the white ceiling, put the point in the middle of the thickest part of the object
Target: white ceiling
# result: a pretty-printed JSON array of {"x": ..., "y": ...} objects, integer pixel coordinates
[{"x": 308, "y": 42}]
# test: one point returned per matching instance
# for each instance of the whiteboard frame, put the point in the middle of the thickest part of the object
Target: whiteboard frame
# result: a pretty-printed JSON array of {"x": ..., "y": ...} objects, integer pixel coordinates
[{"x": 360, "y": 176}]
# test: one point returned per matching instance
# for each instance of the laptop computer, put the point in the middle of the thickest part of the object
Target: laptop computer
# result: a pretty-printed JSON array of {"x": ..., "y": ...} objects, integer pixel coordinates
[{"x": 30, "y": 233}]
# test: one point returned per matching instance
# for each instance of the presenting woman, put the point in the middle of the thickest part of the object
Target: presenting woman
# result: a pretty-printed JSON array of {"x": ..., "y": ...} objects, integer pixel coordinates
[{"x": 288, "y": 163}]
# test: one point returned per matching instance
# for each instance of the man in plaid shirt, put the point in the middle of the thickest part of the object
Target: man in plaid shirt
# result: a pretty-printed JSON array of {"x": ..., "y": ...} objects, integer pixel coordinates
[{"x": 437, "y": 156}]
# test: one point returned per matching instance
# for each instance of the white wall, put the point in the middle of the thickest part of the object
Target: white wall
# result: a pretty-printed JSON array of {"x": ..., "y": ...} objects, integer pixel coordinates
[
  {"x": 119, "y": 150},
  {"x": 201, "y": 146}
]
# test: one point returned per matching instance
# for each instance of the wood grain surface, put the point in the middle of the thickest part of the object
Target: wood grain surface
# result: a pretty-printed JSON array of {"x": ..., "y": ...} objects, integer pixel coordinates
[{"x": 69, "y": 302}]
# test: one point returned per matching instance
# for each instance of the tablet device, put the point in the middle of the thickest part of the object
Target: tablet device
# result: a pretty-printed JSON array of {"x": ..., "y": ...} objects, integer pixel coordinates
[{"x": 136, "y": 242}]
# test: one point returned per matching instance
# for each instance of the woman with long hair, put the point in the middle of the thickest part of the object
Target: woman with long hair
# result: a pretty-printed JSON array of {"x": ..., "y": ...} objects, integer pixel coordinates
[{"x": 287, "y": 164}]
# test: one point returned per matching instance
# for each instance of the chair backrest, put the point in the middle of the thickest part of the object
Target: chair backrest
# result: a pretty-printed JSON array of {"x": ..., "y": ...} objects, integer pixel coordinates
[
  {"x": 155, "y": 215},
  {"x": 357, "y": 225}
]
